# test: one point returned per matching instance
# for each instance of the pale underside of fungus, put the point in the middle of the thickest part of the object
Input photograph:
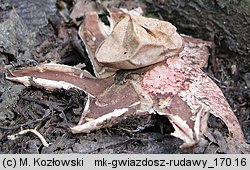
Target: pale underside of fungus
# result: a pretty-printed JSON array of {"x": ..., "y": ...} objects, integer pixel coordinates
[{"x": 163, "y": 77}]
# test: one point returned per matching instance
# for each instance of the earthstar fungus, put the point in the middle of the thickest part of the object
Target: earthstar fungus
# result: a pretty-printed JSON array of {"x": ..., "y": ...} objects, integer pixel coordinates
[{"x": 164, "y": 77}]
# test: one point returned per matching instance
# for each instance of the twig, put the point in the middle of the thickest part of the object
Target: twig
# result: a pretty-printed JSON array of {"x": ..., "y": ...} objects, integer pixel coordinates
[
  {"x": 38, "y": 101},
  {"x": 138, "y": 129},
  {"x": 217, "y": 80},
  {"x": 34, "y": 131}
]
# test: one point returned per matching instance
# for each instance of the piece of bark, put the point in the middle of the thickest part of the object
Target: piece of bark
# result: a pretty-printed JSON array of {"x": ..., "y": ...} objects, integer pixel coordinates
[{"x": 36, "y": 14}]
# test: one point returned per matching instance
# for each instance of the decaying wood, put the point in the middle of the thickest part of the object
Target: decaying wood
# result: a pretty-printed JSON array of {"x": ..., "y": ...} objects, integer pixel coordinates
[{"x": 225, "y": 22}]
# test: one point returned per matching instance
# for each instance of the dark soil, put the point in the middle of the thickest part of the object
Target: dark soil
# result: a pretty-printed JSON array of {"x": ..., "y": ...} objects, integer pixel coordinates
[{"x": 47, "y": 36}]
